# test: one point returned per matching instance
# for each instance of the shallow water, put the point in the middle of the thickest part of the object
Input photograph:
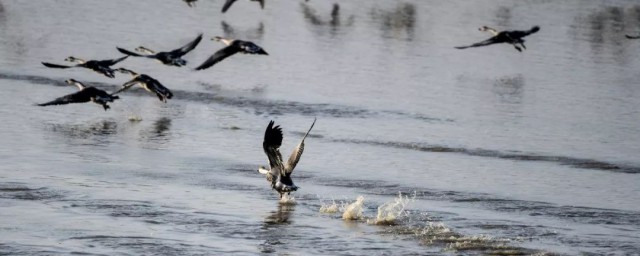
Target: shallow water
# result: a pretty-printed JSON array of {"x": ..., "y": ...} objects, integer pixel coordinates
[{"x": 501, "y": 151}]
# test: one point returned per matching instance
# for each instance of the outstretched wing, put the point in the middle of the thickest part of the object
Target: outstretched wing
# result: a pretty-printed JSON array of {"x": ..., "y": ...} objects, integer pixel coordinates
[
  {"x": 251, "y": 48},
  {"x": 271, "y": 146},
  {"x": 218, "y": 56},
  {"x": 489, "y": 41},
  {"x": 627, "y": 36},
  {"x": 126, "y": 86},
  {"x": 188, "y": 47},
  {"x": 261, "y": 3},
  {"x": 127, "y": 52},
  {"x": 518, "y": 34},
  {"x": 51, "y": 65},
  {"x": 226, "y": 5},
  {"x": 111, "y": 62},
  {"x": 297, "y": 153},
  {"x": 78, "y": 97}
]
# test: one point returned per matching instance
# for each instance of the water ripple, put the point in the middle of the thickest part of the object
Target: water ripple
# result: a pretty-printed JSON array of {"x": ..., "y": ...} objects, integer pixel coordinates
[
  {"x": 583, "y": 163},
  {"x": 254, "y": 105},
  {"x": 19, "y": 191}
]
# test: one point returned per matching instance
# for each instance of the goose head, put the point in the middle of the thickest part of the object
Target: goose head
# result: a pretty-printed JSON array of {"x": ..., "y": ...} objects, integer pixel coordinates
[
  {"x": 125, "y": 71},
  {"x": 263, "y": 170},
  {"x": 74, "y": 59},
  {"x": 143, "y": 49},
  {"x": 488, "y": 29},
  {"x": 222, "y": 39},
  {"x": 76, "y": 83}
]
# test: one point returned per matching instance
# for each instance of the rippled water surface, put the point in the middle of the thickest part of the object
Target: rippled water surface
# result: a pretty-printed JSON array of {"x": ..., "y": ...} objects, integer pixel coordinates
[{"x": 492, "y": 151}]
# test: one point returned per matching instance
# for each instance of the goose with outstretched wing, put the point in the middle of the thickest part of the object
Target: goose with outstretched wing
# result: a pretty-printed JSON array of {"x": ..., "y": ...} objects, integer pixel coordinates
[
  {"x": 279, "y": 172},
  {"x": 233, "y": 46},
  {"x": 148, "y": 83},
  {"x": 514, "y": 37},
  {"x": 170, "y": 58},
  {"x": 100, "y": 66},
  {"x": 86, "y": 94}
]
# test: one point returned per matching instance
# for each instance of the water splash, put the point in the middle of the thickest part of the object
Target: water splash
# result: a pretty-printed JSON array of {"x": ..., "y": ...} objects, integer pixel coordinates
[
  {"x": 435, "y": 233},
  {"x": 287, "y": 199},
  {"x": 432, "y": 234},
  {"x": 389, "y": 212},
  {"x": 435, "y": 229},
  {"x": 475, "y": 243},
  {"x": 331, "y": 208},
  {"x": 354, "y": 210}
]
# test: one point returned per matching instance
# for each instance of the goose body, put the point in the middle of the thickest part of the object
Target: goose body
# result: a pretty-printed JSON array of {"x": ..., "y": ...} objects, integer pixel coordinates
[
  {"x": 171, "y": 58},
  {"x": 148, "y": 83},
  {"x": 279, "y": 172},
  {"x": 514, "y": 37},
  {"x": 99, "y": 66},
  {"x": 233, "y": 47},
  {"x": 86, "y": 94},
  {"x": 228, "y": 4}
]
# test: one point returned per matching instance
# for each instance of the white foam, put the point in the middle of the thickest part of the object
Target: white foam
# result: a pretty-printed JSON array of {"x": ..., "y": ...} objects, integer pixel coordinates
[
  {"x": 354, "y": 210},
  {"x": 287, "y": 199},
  {"x": 389, "y": 212},
  {"x": 329, "y": 208}
]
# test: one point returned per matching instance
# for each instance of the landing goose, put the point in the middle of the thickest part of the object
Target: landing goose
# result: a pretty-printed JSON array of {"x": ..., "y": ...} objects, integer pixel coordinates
[{"x": 279, "y": 172}]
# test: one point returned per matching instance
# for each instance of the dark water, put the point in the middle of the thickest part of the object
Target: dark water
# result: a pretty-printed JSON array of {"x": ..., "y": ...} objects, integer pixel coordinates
[{"x": 500, "y": 152}]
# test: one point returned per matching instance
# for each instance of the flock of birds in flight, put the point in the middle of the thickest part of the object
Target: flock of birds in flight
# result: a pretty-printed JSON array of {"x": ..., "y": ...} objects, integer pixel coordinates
[
  {"x": 170, "y": 58},
  {"x": 279, "y": 172}
]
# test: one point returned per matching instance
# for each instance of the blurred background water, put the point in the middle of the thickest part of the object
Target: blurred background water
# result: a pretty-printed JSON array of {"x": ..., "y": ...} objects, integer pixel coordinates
[{"x": 501, "y": 151}]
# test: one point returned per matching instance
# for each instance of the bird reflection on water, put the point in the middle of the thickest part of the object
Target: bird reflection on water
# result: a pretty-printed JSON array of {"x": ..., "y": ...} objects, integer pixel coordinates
[
  {"x": 161, "y": 127},
  {"x": 273, "y": 227},
  {"x": 509, "y": 89},
  {"x": 252, "y": 33},
  {"x": 97, "y": 129},
  {"x": 157, "y": 135},
  {"x": 281, "y": 216},
  {"x": 334, "y": 24},
  {"x": 398, "y": 23}
]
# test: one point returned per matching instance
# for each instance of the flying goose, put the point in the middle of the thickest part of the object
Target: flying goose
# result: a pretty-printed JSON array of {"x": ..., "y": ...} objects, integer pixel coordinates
[
  {"x": 85, "y": 94},
  {"x": 513, "y": 37},
  {"x": 279, "y": 173},
  {"x": 228, "y": 4},
  {"x": 148, "y": 83},
  {"x": 171, "y": 58},
  {"x": 100, "y": 66},
  {"x": 233, "y": 47}
]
